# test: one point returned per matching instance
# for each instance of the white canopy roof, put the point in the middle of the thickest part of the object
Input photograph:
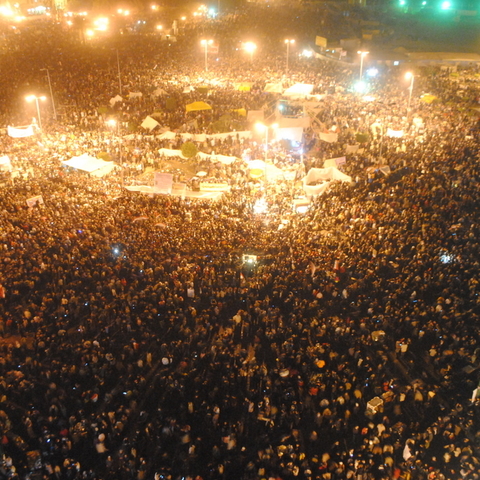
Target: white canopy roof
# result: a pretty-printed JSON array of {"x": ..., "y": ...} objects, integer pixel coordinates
[{"x": 94, "y": 166}]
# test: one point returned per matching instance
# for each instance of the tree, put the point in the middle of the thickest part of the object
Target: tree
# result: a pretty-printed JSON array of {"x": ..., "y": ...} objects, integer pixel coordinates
[{"x": 189, "y": 150}]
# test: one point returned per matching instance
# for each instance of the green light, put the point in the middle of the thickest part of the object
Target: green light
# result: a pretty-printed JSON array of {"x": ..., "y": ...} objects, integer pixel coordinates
[
  {"x": 402, "y": 2},
  {"x": 424, "y": 3},
  {"x": 446, "y": 5}
]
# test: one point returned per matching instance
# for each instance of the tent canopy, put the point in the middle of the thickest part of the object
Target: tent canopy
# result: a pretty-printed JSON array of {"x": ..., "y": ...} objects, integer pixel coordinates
[
  {"x": 86, "y": 163},
  {"x": 197, "y": 106},
  {"x": 299, "y": 89},
  {"x": 317, "y": 180}
]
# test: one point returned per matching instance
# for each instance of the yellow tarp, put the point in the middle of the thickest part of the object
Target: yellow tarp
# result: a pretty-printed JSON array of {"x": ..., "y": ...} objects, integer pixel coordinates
[
  {"x": 243, "y": 86},
  {"x": 428, "y": 98},
  {"x": 197, "y": 106},
  {"x": 241, "y": 111},
  {"x": 256, "y": 173}
]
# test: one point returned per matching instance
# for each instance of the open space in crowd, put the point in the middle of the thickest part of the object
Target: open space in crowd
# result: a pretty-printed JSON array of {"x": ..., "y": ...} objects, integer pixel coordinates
[{"x": 137, "y": 343}]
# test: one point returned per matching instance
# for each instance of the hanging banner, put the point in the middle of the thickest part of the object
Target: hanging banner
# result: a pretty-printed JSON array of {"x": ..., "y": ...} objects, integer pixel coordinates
[{"x": 20, "y": 132}]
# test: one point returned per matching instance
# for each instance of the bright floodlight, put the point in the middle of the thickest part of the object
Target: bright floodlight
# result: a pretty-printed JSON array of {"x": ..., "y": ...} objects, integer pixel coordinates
[
  {"x": 250, "y": 47},
  {"x": 307, "y": 53},
  {"x": 112, "y": 122},
  {"x": 31, "y": 98},
  {"x": 360, "y": 87},
  {"x": 446, "y": 5},
  {"x": 90, "y": 32},
  {"x": 159, "y": 27},
  {"x": 6, "y": 11},
  {"x": 289, "y": 40},
  {"x": 260, "y": 127},
  {"x": 408, "y": 76},
  {"x": 372, "y": 72}
]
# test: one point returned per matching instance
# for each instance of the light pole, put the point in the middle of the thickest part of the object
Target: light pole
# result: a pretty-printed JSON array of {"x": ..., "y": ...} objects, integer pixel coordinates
[
  {"x": 31, "y": 98},
  {"x": 288, "y": 42},
  {"x": 362, "y": 54},
  {"x": 205, "y": 44},
  {"x": 51, "y": 92},
  {"x": 119, "y": 74},
  {"x": 262, "y": 128},
  {"x": 250, "y": 47},
  {"x": 409, "y": 76},
  {"x": 114, "y": 123}
]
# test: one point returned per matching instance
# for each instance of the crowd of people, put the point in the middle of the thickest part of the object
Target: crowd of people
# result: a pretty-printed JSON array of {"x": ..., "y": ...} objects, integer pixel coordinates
[{"x": 162, "y": 337}]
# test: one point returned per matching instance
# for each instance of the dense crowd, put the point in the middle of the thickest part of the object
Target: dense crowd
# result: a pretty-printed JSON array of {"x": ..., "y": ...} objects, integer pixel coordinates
[{"x": 138, "y": 343}]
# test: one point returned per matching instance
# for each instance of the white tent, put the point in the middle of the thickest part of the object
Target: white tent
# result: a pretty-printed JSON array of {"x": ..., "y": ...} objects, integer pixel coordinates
[
  {"x": 94, "y": 166},
  {"x": 5, "y": 164},
  {"x": 115, "y": 99},
  {"x": 149, "y": 123},
  {"x": 168, "y": 152},
  {"x": 298, "y": 90},
  {"x": 318, "y": 180},
  {"x": 273, "y": 88},
  {"x": 271, "y": 171},
  {"x": 158, "y": 92},
  {"x": 225, "y": 159}
]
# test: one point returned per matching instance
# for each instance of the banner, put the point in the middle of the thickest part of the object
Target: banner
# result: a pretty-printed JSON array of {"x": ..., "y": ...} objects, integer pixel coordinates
[
  {"x": 20, "y": 132},
  {"x": 32, "y": 201},
  {"x": 394, "y": 133},
  {"x": 163, "y": 182},
  {"x": 328, "y": 137},
  {"x": 334, "y": 162},
  {"x": 351, "y": 149}
]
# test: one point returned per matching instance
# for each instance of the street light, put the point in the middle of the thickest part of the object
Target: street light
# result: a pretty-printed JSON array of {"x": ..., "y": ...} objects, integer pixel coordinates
[
  {"x": 262, "y": 128},
  {"x": 31, "y": 98},
  {"x": 114, "y": 123},
  {"x": 362, "y": 54},
  {"x": 51, "y": 92},
  {"x": 250, "y": 47},
  {"x": 409, "y": 76},
  {"x": 119, "y": 74},
  {"x": 206, "y": 43},
  {"x": 288, "y": 42}
]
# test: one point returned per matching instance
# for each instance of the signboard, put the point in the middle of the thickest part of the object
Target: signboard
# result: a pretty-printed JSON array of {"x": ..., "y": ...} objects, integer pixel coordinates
[
  {"x": 321, "y": 41},
  {"x": 163, "y": 182}
]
